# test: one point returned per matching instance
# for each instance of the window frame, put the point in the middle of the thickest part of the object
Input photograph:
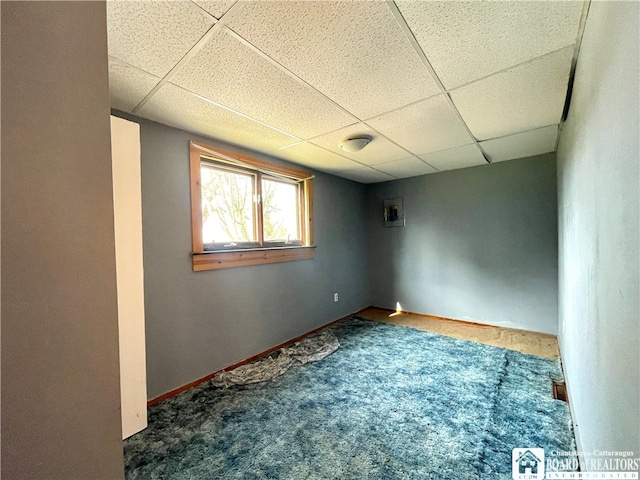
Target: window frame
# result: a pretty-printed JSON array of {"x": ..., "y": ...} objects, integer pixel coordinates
[{"x": 203, "y": 259}]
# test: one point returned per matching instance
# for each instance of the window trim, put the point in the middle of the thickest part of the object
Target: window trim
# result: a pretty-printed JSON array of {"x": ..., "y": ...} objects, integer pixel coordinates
[{"x": 212, "y": 260}]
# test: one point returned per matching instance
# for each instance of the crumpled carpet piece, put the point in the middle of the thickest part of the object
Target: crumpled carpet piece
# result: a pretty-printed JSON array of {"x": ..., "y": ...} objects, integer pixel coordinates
[
  {"x": 310, "y": 349},
  {"x": 392, "y": 403}
]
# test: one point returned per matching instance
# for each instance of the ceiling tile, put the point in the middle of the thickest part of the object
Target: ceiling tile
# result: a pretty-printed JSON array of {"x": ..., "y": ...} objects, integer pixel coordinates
[
  {"x": 154, "y": 36},
  {"x": 353, "y": 52},
  {"x": 520, "y": 145},
  {"x": 465, "y": 41},
  {"x": 128, "y": 85},
  {"x": 366, "y": 175},
  {"x": 423, "y": 127},
  {"x": 311, "y": 156},
  {"x": 379, "y": 150},
  {"x": 460, "y": 157},
  {"x": 217, "y": 8},
  {"x": 176, "y": 107},
  {"x": 523, "y": 98},
  {"x": 229, "y": 72},
  {"x": 406, "y": 167}
]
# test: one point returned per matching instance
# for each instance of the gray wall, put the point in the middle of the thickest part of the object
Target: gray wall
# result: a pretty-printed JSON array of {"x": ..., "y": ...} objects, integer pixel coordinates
[
  {"x": 598, "y": 183},
  {"x": 60, "y": 378},
  {"x": 480, "y": 244},
  {"x": 200, "y": 322}
]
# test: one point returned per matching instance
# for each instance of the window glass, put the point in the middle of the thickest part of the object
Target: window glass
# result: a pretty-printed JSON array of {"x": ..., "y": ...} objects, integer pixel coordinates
[
  {"x": 280, "y": 211},
  {"x": 228, "y": 213}
]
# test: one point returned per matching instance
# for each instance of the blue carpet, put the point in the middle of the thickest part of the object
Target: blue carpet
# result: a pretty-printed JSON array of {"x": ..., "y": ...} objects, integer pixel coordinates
[{"x": 391, "y": 403}]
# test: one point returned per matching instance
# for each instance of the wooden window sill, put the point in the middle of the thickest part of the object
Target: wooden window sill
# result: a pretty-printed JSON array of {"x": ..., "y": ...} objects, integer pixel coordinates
[{"x": 243, "y": 258}]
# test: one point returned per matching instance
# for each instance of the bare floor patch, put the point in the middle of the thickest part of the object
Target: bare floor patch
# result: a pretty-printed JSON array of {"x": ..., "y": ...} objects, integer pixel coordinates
[{"x": 533, "y": 343}]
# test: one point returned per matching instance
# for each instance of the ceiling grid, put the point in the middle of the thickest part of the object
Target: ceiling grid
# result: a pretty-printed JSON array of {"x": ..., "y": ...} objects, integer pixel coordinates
[
  {"x": 437, "y": 85},
  {"x": 407, "y": 31}
]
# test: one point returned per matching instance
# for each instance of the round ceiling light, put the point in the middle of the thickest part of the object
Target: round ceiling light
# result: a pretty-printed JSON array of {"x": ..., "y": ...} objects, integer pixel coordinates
[{"x": 355, "y": 144}]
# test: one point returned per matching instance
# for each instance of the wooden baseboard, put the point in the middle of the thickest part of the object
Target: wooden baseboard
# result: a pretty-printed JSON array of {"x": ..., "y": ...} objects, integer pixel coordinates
[
  {"x": 574, "y": 420},
  {"x": 206, "y": 378},
  {"x": 367, "y": 308}
]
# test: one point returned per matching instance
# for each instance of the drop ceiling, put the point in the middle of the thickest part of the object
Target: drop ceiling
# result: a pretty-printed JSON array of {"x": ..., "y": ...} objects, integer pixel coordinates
[{"x": 437, "y": 85}]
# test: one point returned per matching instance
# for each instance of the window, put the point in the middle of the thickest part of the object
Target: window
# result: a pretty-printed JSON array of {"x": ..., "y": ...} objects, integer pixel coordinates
[
  {"x": 233, "y": 200},
  {"x": 246, "y": 211}
]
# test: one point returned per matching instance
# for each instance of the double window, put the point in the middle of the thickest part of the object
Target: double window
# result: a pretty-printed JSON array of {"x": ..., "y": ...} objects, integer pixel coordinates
[{"x": 246, "y": 211}]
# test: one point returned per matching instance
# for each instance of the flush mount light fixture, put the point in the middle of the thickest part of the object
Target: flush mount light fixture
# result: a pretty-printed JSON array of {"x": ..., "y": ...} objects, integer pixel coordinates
[{"x": 355, "y": 144}]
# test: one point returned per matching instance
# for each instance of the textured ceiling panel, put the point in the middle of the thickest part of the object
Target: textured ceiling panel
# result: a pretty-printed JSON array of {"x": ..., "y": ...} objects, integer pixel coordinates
[
  {"x": 286, "y": 73},
  {"x": 525, "y": 144},
  {"x": 465, "y": 41},
  {"x": 406, "y": 167},
  {"x": 379, "y": 150},
  {"x": 154, "y": 36},
  {"x": 217, "y": 8},
  {"x": 128, "y": 85},
  {"x": 311, "y": 156},
  {"x": 354, "y": 52},
  {"x": 366, "y": 175},
  {"x": 229, "y": 72},
  {"x": 179, "y": 108},
  {"x": 423, "y": 127},
  {"x": 460, "y": 157},
  {"x": 523, "y": 98}
]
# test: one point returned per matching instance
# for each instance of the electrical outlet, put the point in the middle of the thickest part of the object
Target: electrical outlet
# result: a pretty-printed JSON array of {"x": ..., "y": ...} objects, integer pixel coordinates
[{"x": 335, "y": 297}]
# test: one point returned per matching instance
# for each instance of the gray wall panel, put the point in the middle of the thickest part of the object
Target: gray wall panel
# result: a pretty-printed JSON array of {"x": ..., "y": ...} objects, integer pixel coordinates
[
  {"x": 200, "y": 322},
  {"x": 598, "y": 200},
  {"x": 60, "y": 375},
  {"x": 480, "y": 244}
]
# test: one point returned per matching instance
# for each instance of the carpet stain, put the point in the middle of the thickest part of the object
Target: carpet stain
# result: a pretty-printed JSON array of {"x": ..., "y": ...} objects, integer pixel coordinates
[{"x": 392, "y": 403}]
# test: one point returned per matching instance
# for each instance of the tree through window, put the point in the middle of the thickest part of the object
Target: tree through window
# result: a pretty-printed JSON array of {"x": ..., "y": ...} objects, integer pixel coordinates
[{"x": 227, "y": 206}]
